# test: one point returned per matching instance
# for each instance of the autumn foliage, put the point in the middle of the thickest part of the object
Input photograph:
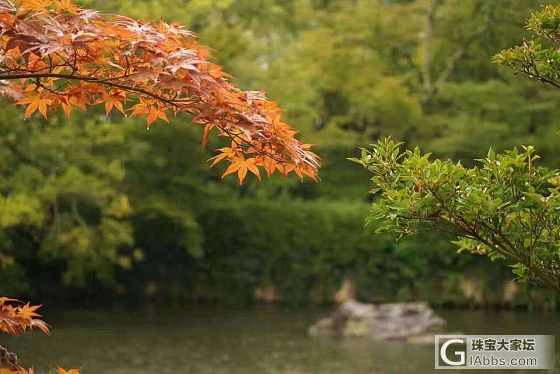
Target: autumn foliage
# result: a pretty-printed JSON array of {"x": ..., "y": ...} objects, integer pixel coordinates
[
  {"x": 54, "y": 55},
  {"x": 15, "y": 319}
]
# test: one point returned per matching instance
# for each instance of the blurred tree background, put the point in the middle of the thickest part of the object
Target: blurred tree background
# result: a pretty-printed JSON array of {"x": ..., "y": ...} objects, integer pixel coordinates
[{"x": 102, "y": 206}]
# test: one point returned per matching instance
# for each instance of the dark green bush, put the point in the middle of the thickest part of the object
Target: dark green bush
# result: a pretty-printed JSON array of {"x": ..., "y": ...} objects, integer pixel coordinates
[
  {"x": 305, "y": 248},
  {"x": 287, "y": 244}
]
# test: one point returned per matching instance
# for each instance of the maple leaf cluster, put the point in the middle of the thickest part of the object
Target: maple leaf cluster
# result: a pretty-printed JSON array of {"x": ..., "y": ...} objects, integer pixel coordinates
[
  {"x": 15, "y": 319},
  {"x": 54, "y": 54}
]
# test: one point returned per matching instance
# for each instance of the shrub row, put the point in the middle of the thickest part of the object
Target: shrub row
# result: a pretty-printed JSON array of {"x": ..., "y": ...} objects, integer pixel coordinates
[
  {"x": 305, "y": 250},
  {"x": 302, "y": 250}
]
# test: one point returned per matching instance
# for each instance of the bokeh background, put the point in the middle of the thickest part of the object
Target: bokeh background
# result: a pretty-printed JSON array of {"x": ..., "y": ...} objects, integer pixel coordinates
[{"x": 102, "y": 213}]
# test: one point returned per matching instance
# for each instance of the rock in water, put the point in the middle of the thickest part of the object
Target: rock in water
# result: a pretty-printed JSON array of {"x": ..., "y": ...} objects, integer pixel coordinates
[{"x": 414, "y": 322}]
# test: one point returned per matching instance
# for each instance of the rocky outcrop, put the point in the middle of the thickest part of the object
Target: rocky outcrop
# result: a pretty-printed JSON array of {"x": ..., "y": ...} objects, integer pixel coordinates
[{"x": 414, "y": 322}]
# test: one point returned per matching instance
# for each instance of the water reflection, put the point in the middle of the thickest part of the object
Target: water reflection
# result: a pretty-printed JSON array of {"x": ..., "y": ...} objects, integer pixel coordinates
[{"x": 215, "y": 340}]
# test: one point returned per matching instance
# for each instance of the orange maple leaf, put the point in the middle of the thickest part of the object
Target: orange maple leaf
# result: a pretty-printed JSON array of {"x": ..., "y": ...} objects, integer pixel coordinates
[
  {"x": 34, "y": 103},
  {"x": 156, "y": 113},
  {"x": 241, "y": 166},
  {"x": 151, "y": 111},
  {"x": 269, "y": 165},
  {"x": 28, "y": 312},
  {"x": 226, "y": 153},
  {"x": 113, "y": 100}
]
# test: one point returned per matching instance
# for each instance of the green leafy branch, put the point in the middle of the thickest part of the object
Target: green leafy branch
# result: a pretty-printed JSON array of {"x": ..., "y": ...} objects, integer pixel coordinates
[
  {"x": 538, "y": 58},
  {"x": 505, "y": 207}
]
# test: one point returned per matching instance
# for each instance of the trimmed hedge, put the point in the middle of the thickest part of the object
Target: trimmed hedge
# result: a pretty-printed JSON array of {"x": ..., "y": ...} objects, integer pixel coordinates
[
  {"x": 304, "y": 249},
  {"x": 308, "y": 248}
]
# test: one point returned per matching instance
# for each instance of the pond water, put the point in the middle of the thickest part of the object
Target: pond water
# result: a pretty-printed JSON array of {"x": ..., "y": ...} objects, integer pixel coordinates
[{"x": 268, "y": 340}]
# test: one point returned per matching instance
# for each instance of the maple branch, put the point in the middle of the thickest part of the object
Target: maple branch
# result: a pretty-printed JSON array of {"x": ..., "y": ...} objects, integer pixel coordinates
[
  {"x": 8, "y": 359},
  {"x": 48, "y": 53},
  {"x": 240, "y": 141},
  {"x": 245, "y": 143},
  {"x": 87, "y": 79}
]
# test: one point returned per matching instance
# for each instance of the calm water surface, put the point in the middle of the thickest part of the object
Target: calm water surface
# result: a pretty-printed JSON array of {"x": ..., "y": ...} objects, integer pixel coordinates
[{"x": 216, "y": 340}]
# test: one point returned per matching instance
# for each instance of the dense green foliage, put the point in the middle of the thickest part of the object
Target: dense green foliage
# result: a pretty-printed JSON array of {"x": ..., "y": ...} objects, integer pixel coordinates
[
  {"x": 104, "y": 206},
  {"x": 63, "y": 198},
  {"x": 505, "y": 208},
  {"x": 306, "y": 249}
]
